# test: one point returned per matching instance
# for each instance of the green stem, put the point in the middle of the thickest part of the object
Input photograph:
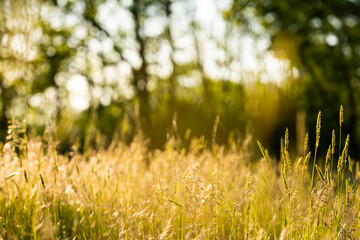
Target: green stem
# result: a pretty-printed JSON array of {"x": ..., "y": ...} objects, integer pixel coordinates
[
  {"x": 340, "y": 142},
  {"x": 313, "y": 171}
]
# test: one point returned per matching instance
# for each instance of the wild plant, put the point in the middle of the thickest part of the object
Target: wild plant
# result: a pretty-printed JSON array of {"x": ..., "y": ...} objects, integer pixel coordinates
[{"x": 183, "y": 192}]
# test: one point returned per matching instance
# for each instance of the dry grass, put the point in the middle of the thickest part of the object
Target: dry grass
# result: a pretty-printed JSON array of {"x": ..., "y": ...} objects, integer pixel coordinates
[{"x": 127, "y": 192}]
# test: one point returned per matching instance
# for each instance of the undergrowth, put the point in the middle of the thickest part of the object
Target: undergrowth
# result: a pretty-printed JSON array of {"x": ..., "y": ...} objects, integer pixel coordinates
[{"x": 127, "y": 192}]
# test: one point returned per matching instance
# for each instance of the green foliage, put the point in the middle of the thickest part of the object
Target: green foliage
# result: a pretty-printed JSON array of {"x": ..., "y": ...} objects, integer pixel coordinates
[{"x": 321, "y": 40}]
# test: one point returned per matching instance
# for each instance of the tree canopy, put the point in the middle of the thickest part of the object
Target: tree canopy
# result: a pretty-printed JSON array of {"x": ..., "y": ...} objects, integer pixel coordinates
[{"x": 105, "y": 70}]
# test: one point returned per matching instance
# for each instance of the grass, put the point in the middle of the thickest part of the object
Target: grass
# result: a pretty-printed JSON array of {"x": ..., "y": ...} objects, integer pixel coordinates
[{"x": 127, "y": 192}]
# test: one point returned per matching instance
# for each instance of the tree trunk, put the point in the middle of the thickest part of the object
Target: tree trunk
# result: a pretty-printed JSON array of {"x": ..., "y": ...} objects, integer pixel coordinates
[
  {"x": 199, "y": 65},
  {"x": 172, "y": 77},
  {"x": 140, "y": 75}
]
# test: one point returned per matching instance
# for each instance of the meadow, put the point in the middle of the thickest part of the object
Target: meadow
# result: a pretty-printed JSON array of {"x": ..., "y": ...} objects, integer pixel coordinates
[{"x": 197, "y": 190}]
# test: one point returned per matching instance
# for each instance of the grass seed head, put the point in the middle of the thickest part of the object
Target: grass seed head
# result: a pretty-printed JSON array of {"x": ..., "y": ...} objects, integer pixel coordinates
[
  {"x": 345, "y": 152},
  {"x": 287, "y": 159},
  {"x": 283, "y": 176},
  {"x": 347, "y": 194},
  {"x": 341, "y": 115},
  {"x": 328, "y": 157},
  {"x": 343, "y": 157},
  {"x": 286, "y": 139},
  {"x": 351, "y": 163},
  {"x": 328, "y": 164},
  {"x": 307, "y": 158},
  {"x": 318, "y": 128},
  {"x": 333, "y": 143},
  {"x": 306, "y": 140},
  {"x": 263, "y": 151}
]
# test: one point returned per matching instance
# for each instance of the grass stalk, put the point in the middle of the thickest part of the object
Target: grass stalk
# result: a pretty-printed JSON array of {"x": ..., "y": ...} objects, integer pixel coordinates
[{"x": 318, "y": 128}]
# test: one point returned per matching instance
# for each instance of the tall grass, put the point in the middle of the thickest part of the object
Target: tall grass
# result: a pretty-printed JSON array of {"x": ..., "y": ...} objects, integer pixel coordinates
[{"x": 127, "y": 192}]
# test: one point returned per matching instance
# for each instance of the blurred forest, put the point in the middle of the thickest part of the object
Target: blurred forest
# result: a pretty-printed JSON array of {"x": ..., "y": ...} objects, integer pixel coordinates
[{"x": 103, "y": 70}]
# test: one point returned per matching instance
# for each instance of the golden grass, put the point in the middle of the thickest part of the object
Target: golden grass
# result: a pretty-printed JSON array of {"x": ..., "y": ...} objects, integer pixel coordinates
[{"x": 127, "y": 192}]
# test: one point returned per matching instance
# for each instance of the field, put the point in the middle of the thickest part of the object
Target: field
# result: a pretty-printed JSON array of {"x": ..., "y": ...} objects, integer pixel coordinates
[{"x": 183, "y": 192}]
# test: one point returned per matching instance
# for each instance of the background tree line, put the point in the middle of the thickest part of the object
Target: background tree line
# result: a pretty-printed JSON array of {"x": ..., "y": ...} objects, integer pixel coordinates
[{"x": 131, "y": 66}]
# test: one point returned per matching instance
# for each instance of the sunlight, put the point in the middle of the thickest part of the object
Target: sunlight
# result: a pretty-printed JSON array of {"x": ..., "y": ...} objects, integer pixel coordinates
[
  {"x": 179, "y": 119},
  {"x": 275, "y": 69},
  {"x": 113, "y": 16},
  {"x": 78, "y": 92}
]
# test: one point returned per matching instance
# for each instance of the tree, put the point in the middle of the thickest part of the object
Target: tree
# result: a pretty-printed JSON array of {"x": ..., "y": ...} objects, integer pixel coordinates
[
  {"x": 17, "y": 19},
  {"x": 321, "y": 40}
]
